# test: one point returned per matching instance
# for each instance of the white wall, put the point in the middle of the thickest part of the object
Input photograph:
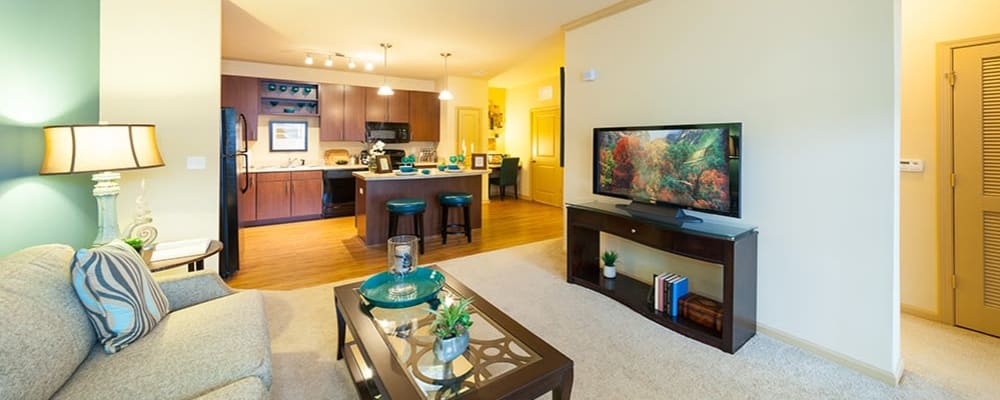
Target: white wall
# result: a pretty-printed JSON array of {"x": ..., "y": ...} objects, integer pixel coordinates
[
  {"x": 813, "y": 83},
  {"x": 925, "y": 23},
  {"x": 160, "y": 65}
]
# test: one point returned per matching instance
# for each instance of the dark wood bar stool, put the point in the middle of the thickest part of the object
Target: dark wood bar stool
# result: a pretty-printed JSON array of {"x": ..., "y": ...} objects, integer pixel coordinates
[
  {"x": 402, "y": 207},
  {"x": 456, "y": 199}
]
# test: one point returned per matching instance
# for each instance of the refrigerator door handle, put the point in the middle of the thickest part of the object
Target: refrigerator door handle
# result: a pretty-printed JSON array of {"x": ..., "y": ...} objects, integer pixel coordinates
[
  {"x": 243, "y": 124},
  {"x": 246, "y": 172}
]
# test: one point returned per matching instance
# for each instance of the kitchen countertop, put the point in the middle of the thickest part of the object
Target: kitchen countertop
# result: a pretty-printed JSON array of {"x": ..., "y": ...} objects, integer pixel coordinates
[
  {"x": 435, "y": 174},
  {"x": 310, "y": 168}
]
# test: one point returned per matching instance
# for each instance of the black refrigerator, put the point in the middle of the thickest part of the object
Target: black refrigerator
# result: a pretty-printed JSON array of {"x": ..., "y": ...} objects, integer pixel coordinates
[{"x": 234, "y": 164}]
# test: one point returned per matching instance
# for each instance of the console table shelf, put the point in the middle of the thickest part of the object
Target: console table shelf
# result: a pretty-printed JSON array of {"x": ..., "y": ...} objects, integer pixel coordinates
[{"x": 732, "y": 246}]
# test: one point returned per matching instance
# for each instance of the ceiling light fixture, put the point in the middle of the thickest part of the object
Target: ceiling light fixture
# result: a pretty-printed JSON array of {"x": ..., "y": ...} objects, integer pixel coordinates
[
  {"x": 329, "y": 61},
  {"x": 351, "y": 64},
  {"x": 445, "y": 94},
  {"x": 309, "y": 59},
  {"x": 369, "y": 66},
  {"x": 385, "y": 90}
]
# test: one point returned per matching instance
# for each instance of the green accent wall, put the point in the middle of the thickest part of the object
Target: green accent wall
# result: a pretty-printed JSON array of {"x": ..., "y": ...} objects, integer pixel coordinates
[{"x": 50, "y": 75}]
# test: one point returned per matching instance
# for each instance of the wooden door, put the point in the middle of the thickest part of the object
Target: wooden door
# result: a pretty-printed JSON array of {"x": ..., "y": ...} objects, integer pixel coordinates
[
  {"x": 307, "y": 193},
  {"x": 243, "y": 94},
  {"x": 470, "y": 124},
  {"x": 246, "y": 202},
  {"x": 399, "y": 106},
  {"x": 354, "y": 113},
  {"x": 273, "y": 195},
  {"x": 425, "y": 117},
  {"x": 976, "y": 124},
  {"x": 546, "y": 174},
  {"x": 376, "y": 106},
  {"x": 331, "y": 112}
]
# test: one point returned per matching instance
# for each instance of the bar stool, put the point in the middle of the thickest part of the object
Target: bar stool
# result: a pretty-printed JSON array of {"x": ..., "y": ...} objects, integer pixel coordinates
[
  {"x": 455, "y": 199},
  {"x": 407, "y": 206}
]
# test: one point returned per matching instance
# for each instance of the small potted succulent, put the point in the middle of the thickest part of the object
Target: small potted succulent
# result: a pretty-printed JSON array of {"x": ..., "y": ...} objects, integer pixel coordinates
[
  {"x": 451, "y": 329},
  {"x": 139, "y": 246},
  {"x": 609, "y": 257}
]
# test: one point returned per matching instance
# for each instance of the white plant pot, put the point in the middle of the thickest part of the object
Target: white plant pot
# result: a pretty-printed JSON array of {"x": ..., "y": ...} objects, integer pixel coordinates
[{"x": 609, "y": 272}]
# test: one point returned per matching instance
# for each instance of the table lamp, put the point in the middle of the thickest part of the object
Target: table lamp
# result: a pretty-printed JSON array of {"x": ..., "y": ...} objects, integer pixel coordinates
[{"x": 71, "y": 149}]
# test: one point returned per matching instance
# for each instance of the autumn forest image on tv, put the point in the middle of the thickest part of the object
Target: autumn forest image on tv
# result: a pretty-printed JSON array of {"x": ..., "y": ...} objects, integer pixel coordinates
[{"x": 688, "y": 167}]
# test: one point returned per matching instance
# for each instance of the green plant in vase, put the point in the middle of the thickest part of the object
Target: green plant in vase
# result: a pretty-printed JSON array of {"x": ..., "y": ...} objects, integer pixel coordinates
[
  {"x": 136, "y": 244},
  {"x": 451, "y": 329},
  {"x": 610, "y": 257}
]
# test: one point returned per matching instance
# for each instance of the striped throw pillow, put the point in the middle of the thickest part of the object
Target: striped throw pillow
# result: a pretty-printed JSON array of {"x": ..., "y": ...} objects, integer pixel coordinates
[{"x": 122, "y": 300}]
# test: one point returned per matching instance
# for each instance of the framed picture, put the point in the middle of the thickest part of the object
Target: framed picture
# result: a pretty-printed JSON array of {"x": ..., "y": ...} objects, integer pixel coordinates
[
  {"x": 383, "y": 165},
  {"x": 289, "y": 136},
  {"x": 478, "y": 160}
]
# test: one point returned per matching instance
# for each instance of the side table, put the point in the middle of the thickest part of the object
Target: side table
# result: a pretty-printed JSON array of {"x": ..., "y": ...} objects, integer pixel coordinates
[{"x": 194, "y": 263}]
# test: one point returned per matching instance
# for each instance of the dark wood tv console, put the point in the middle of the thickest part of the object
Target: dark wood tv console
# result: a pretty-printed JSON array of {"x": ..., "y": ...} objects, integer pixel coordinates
[{"x": 732, "y": 246}]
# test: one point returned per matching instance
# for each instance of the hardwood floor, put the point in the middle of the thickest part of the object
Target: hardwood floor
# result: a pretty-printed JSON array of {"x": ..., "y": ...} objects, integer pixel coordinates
[{"x": 303, "y": 254}]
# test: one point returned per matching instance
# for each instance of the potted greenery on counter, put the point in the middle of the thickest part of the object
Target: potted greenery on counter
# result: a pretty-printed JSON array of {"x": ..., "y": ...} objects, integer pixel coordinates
[
  {"x": 451, "y": 329},
  {"x": 139, "y": 246},
  {"x": 609, "y": 257}
]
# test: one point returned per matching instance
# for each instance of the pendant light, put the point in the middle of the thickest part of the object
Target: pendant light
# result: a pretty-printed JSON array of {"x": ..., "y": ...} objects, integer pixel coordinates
[
  {"x": 385, "y": 90},
  {"x": 445, "y": 94}
]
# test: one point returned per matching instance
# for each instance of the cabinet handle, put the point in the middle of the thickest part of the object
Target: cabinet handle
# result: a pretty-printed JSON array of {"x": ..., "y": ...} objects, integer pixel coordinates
[{"x": 633, "y": 230}]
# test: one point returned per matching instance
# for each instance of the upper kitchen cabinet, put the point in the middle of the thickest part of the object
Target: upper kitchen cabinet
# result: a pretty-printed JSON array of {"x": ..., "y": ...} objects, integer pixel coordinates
[
  {"x": 242, "y": 93},
  {"x": 354, "y": 113},
  {"x": 331, "y": 112},
  {"x": 394, "y": 108},
  {"x": 425, "y": 117}
]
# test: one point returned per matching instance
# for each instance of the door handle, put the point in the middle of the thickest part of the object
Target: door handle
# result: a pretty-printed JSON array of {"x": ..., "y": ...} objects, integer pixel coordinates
[{"x": 246, "y": 172}]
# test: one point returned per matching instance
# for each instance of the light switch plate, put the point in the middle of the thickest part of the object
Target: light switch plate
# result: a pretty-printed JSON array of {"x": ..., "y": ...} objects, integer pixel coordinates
[
  {"x": 195, "y": 162},
  {"x": 911, "y": 165}
]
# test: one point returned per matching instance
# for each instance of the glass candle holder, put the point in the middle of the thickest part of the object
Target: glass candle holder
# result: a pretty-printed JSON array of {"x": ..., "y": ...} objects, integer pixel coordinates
[{"x": 402, "y": 258}]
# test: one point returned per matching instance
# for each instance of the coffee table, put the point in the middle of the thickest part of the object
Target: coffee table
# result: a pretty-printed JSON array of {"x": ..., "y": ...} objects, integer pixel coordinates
[{"x": 389, "y": 353}]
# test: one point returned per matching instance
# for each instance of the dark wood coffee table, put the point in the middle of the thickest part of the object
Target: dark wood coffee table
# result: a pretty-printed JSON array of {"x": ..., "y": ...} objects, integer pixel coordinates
[{"x": 389, "y": 353}]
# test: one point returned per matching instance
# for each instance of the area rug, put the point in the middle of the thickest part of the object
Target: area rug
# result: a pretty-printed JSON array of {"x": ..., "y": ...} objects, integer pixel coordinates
[{"x": 617, "y": 353}]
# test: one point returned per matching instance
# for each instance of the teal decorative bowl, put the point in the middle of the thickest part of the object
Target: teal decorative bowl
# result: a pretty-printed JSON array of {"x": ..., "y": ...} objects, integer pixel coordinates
[{"x": 376, "y": 289}]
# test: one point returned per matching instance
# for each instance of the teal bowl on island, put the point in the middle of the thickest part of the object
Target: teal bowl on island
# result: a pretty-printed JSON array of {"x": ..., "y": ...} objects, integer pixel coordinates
[
  {"x": 425, "y": 171},
  {"x": 453, "y": 167},
  {"x": 407, "y": 169},
  {"x": 441, "y": 167}
]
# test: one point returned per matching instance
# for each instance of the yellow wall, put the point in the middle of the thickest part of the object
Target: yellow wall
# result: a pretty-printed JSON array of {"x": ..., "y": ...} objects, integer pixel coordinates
[
  {"x": 814, "y": 85},
  {"x": 540, "y": 69},
  {"x": 498, "y": 103},
  {"x": 924, "y": 24},
  {"x": 160, "y": 65}
]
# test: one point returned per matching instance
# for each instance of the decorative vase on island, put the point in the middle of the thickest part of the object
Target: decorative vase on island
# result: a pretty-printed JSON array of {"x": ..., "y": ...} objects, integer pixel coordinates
[{"x": 449, "y": 349}]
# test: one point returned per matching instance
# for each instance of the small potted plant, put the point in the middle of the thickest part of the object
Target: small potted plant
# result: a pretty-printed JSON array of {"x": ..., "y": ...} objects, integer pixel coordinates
[
  {"x": 139, "y": 246},
  {"x": 609, "y": 257},
  {"x": 451, "y": 328}
]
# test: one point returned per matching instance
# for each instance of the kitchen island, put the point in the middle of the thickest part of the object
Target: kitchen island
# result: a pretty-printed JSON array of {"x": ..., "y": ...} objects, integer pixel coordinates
[{"x": 374, "y": 190}]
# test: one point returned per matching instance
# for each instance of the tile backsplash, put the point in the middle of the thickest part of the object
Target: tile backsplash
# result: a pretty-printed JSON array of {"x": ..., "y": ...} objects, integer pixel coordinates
[{"x": 261, "y": 156}]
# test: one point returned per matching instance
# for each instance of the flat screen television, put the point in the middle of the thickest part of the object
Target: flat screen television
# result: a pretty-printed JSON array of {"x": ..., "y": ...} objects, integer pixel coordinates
[{"x": 680, "y": 167}]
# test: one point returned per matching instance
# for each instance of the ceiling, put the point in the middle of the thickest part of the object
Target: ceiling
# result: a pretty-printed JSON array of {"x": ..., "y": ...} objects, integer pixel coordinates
[{"x": 485, "y": 37}]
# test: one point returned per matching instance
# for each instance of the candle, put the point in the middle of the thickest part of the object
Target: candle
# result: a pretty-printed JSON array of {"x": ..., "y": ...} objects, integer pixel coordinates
[{"x": 404, "y": 260}]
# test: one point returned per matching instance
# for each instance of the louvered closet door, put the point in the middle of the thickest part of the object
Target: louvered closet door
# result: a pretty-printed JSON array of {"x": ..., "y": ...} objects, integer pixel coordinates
[{"x": 977, "y": 189}]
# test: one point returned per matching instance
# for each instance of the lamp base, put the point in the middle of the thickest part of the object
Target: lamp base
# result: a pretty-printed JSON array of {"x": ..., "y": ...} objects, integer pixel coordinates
[{"x": 106, "y": 192}]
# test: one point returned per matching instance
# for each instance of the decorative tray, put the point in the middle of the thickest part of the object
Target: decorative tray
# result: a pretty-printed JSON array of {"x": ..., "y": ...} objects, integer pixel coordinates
[
  {"x": 401, "y": 173},
  {"x": 377, "y": 290},
  {"x": 453, "y": 170}
]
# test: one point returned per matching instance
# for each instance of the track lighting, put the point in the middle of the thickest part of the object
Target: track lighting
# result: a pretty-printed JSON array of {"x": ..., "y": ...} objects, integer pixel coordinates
[{"x": 309, "y": 59}]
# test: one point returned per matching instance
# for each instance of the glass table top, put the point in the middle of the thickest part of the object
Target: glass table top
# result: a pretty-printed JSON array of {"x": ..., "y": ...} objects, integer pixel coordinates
[{"x": 492, "y": 351}]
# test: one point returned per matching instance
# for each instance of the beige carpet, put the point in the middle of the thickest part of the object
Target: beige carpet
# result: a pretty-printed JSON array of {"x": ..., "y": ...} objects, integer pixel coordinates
[{"x": 620, "y": 355}]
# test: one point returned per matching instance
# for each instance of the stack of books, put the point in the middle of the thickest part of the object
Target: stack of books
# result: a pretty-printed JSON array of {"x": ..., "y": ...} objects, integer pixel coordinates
[{"x": 668, "y": 288}]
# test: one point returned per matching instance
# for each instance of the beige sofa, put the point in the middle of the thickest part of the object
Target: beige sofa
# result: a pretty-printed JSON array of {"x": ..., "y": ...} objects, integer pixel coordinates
[{"x": 213, "y": 345}]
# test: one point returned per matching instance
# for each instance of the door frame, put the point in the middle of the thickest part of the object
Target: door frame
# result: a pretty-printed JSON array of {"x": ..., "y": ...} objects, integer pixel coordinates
[{"x": 945, "y": 169}]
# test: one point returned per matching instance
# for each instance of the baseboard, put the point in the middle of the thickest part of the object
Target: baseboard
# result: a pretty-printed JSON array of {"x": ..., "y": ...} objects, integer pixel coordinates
[
  {"x": 920, "y": 312},
  {"x": 889, "y": 378}
]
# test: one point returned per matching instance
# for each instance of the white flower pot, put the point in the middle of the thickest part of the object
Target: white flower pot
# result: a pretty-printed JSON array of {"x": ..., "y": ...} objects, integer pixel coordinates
[{"x": 609, "y": 272}]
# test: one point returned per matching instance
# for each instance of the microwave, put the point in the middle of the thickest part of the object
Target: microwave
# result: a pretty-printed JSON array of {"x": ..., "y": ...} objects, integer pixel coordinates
[{"x": 387, "y": 132}]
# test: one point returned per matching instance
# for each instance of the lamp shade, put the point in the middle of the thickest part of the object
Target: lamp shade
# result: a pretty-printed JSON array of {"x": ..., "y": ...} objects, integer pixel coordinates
[{"x": 97, "y": 148}]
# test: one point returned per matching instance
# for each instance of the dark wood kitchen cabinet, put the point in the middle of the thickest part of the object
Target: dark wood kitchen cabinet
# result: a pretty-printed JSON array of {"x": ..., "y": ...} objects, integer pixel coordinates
[
  {"x": 354, "y": 113},
  {"x": 425, "y": 117},
  {"x": 331, "y": 112},
  {"x": 246, "y": 202},
  {"x": 273, "y": 195},
  {"x": 287, "y": 196},
  {"x": 307, "y": 193},
  {"x": 395, "y": 108},
  {"x": 242, "y": 93}
]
